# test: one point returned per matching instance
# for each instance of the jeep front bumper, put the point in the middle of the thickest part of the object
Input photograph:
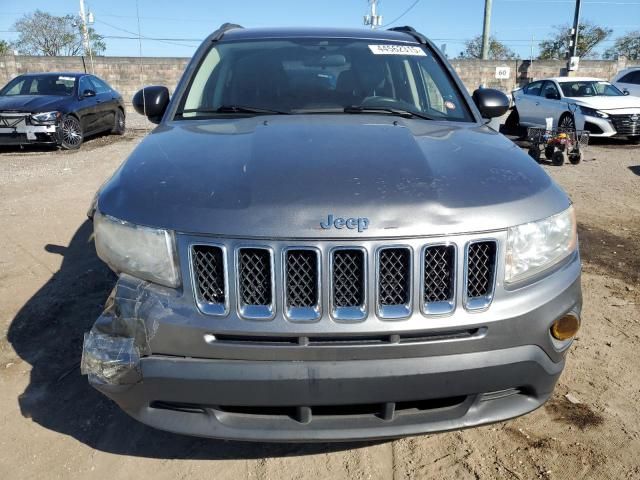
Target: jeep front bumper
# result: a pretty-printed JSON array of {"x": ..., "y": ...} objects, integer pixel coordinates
[{"x": 502, "y": 365}]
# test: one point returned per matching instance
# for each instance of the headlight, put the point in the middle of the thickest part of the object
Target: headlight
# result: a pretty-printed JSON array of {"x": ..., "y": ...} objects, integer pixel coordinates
[
  {"x": 143, "y": 252},
  {"x": 45, "y": 117},
  {"x": 536, "y": 246},
  {"x": 592, "y": 112}
]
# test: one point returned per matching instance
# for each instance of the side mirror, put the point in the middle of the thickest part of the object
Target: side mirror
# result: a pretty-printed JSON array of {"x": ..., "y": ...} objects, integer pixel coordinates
[
  {"x": 88, "y": 93},
  {"x": 491, "y": 103},
  {"x": 626, "y": 92},
  {"x": 552, "y": 96},
  {"x": 151, "y": 102}
]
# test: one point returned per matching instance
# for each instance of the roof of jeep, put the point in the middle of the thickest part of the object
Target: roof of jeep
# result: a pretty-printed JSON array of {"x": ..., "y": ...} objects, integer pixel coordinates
[{"x": 297, "y": 32}]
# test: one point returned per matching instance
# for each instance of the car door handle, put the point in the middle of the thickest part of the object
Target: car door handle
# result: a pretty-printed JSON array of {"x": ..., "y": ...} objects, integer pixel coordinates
[{"x": 537, "y": 103}]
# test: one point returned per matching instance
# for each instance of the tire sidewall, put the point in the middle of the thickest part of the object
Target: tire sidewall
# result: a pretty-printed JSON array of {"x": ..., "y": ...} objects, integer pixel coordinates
[
  {"x": 118, "y": 128},
  {"x": 65, "y": 145}
]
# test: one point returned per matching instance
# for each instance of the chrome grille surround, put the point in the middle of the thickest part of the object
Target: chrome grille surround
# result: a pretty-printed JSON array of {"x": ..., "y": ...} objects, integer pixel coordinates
[
  {"x": 348, "y": 304},
  {"x": 250, "y": 262},
  {"x": 203, "y": 270},
  {"x": 306, "y": 305},
  {"x": 391, "y": 301},
  {"x": 327, "y": 317},
  {"x": 481, "y": 259},
  {"x": 435, "y": 303}
]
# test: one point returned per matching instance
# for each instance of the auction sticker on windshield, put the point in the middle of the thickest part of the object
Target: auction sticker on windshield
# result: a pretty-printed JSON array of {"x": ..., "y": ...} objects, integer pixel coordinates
[{"x": 397, "y": 50}]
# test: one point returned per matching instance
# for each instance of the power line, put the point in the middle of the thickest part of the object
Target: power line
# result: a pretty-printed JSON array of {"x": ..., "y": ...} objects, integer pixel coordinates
[{"x": 402, "y": 14}]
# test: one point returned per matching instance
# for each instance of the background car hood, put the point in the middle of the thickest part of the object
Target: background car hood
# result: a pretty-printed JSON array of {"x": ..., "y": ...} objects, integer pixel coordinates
[
  {"x": 32, "y": 103},
  {"x": 609, "y": 103},
  {"x": 280, "y": 176}
]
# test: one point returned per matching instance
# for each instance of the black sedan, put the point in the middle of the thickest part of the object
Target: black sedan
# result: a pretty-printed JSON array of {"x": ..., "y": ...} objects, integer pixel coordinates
[{"x": 58, "y": 109}]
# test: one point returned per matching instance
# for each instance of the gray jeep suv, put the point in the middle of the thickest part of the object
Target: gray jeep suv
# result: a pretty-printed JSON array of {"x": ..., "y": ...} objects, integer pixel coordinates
[{"x": 322, "y": 240}]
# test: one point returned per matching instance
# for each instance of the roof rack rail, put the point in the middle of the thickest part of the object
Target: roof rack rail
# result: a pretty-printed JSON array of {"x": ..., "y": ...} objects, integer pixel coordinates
[
  {"x": 411, "y": 31},
  {"x": 224, "y": 28}
]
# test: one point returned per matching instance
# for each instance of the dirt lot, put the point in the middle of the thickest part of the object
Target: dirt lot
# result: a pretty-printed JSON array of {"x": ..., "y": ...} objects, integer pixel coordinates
[{"x": 52, "y": 286}]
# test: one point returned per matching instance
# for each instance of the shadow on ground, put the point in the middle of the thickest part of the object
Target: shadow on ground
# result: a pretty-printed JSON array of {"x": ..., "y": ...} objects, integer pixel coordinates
[{"x": 47, "y": 332}]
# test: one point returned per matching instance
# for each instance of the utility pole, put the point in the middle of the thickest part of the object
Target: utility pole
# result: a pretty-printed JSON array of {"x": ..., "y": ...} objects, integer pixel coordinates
[
  {"x": 373, "y": 19},
  {"x": 572, "y": 64},
  {"x": 486, "y": 29},
  {"x": 85, "y": 35}
]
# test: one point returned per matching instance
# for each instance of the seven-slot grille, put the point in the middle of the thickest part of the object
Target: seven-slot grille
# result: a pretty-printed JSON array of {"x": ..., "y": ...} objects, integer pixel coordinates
[
  {"x": 480, "y": 269},
  {"x": 394, "y": 276},
  {"x": 208, "y": 268},
  {"x": 254, "y": 268},
  {"x": 348, "y": 278},
  {"x": 254, "y": 276},
  {"x": 302, "y": 278},
  {"x": 438, "y": 272}
]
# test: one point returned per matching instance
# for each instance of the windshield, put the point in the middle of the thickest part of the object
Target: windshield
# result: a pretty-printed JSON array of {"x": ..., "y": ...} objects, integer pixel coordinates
[
  {"x": 322, "y": 76},
  {"x": 589, "y": 88},
  {"x": 59, "y": 85}
]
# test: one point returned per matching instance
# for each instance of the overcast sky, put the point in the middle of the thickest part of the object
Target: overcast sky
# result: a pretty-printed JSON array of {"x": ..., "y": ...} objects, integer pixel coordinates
[{"x": 182, "y": 24}]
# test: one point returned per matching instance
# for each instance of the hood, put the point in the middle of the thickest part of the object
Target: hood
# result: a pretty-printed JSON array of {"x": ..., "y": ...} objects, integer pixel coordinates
[
  {"x": 609, "y": 103},
  {"x": 282, "y": 176},
  {"x": 32, "y": 103}
]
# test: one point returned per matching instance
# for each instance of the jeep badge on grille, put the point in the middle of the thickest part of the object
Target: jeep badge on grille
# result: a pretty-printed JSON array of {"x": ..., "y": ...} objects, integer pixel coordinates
[{"x": 361, "y": 223}]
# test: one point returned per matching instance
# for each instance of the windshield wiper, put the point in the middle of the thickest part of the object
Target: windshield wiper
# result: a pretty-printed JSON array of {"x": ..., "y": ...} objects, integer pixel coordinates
[
  {"x": 233, "y": 109},
  {"x": 393, "y": 110}
]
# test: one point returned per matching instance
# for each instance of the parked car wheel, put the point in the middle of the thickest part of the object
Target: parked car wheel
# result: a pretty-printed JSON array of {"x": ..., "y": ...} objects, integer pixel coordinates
[
  {"x": 634, "y": 140},
  {"x": 71, "y": 133},
  {"x": 567, "y": 122},
  {"x": 119, "y": 123},
  {"x": 558, "y": 158},
  {"x": 575, "y": 158}
]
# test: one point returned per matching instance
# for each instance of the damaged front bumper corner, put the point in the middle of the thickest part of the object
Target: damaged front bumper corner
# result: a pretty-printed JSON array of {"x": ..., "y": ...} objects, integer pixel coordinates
[
  {"x": 121, "y": 335},
  {"x": 17, "y": 129}
]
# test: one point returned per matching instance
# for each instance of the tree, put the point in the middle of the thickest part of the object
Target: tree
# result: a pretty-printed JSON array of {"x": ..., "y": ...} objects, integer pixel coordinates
[
  {"x": 5, "y": 48},
  {"x": 627, "y": 45},
  {"x": 589, "y": 35},
  {"x": 497, "y": 50},
  {"x": 41, "y": 33}
]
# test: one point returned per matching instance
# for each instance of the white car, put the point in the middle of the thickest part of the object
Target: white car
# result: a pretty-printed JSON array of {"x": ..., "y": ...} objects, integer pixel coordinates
[
  {"x": 578, "y": 103},
  {"x": 628, "y": 80}
]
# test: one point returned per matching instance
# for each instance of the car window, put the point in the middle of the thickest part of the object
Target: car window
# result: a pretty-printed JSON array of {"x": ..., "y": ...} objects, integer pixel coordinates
[
  {"x": 59, "y": 85},
  {"x": 100, "y": 86},
  {"x": 550, "y": 89},
  {"x": 323, "y": 76},
  {"x": 85, "y": 84},
  {"x": 627, "y": 78},
  {"x": 589, "y": 88},
  {"x": 533, "y": 88},
  {"x": 635, "y": 78},
  {"x": 14, "y": 87}
]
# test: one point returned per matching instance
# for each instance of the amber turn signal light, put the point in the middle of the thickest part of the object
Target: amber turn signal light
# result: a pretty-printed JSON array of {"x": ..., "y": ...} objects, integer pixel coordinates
[{"x": 565, "y": 327}]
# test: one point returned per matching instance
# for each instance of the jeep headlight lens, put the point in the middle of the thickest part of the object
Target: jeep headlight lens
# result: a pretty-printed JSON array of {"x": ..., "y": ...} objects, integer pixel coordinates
[
  {"x": 536, "y": 246},
  {"x": 45, "y": 117},
  {"x": 143, "y": 252}
]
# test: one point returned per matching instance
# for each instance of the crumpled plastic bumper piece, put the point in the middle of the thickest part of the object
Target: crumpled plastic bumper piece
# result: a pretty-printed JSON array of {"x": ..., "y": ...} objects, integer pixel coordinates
[
  {"x": 121, "y": 335},
  {"x": 109, "y": 359}
]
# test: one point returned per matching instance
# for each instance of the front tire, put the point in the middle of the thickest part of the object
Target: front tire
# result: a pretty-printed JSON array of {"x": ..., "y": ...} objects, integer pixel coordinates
[
  {"x": 119, "y": 124},
  {"x": 71, "y": 134},
  {"x": 634, "y": 140},
  {"x": 567, "y": 122}
]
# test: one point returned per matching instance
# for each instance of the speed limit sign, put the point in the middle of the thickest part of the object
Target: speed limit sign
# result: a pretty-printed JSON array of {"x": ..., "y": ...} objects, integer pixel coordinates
[{"x": 503, "y": 73}]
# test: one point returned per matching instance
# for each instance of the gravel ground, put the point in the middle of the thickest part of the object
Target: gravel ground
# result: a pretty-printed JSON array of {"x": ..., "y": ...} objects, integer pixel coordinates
[{"x": 52, "y": 287}]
